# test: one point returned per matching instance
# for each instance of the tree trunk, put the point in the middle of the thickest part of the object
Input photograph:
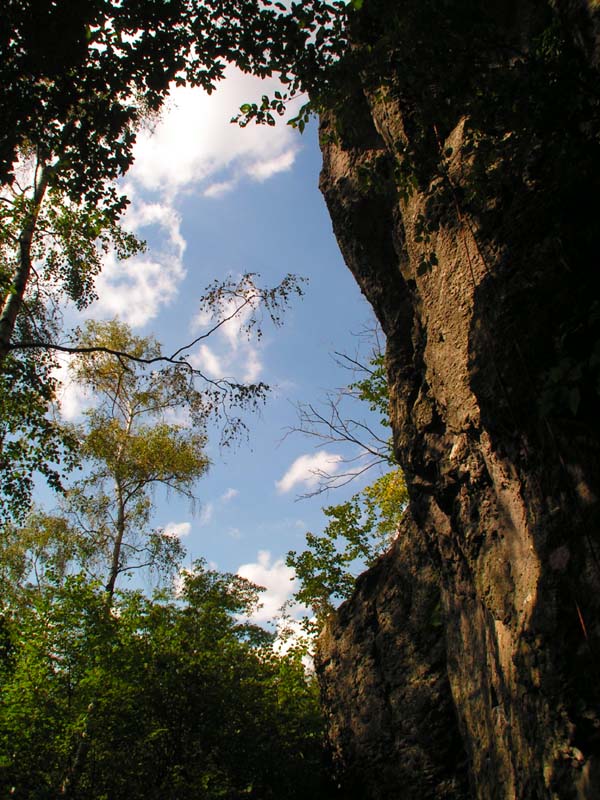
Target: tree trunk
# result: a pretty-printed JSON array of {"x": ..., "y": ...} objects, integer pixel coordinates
[
  {"x": 13, "y": 301},
  {"x": 482, "y": 281},
  {"x": 115, "y": 566}
]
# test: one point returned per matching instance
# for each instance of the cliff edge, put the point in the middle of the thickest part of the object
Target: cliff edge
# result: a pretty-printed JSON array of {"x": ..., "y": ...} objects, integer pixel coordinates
[{"x": 462, "y": 174}]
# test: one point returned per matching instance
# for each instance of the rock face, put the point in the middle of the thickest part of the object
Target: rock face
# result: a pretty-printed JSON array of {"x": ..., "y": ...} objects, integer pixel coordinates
[
  {"x": 393, "y": 724},
  {"x": 467, "y": 662}
]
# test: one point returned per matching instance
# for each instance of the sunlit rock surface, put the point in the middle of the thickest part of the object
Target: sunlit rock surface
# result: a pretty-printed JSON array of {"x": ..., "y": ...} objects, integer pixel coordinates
[{"x": 473, "y": 645}]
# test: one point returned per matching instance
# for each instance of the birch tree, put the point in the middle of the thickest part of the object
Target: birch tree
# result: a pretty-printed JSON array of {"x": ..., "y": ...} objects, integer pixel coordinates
[
  {"x": 146, "y": 430},
  {"x": 76, "y": 81}
]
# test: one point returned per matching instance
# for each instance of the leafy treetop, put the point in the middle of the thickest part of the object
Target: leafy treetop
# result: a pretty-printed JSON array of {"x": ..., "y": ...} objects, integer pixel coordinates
[{"x": 76, "y": 81}]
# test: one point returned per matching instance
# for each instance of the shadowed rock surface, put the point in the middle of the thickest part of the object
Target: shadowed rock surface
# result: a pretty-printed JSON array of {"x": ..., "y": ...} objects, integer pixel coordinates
[
  {"x": 393, "y": 723},
  {"x": 475, "y": 640}
]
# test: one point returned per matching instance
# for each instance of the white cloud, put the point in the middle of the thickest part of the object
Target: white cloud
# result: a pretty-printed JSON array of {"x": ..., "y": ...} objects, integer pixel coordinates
[
  {"x": 253, "y": 364},
  {"x": 219, "y": 189},
  {"x": 278, "y": 579},
  {"x": 194, "y": 141},
  {"x": 142, "y": 214},
  {"x": 308, "y": 469},
  {"x": 203, "y": 319},
  {"x": 231, "y": 352},
  {"x": 179, "y": 580},
  {"x": 177, "y": 529},
  {"x": 244, "y": 362},
  {"x": 208, "y": 362},
  {"x": 73, "y": 399},
  {"x": 136, "y": 289},
  {"x": 206, "y": 514},
  {"x": 227, "y": 496},
  {"x": 262, "y": 170}
]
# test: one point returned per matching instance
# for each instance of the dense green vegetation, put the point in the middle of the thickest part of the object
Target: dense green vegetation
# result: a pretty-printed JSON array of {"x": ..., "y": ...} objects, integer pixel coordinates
[
  {"x": 108, "y": 693},
  {"x": 163, "y": 697}
]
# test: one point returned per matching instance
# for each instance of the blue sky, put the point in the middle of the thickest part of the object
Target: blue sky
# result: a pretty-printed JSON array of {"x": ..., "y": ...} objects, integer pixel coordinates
[{"x": 213, "y": 200}]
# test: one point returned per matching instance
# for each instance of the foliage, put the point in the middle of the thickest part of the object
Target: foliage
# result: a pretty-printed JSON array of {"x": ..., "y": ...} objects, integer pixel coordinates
[
  {"x": 102, "y": 65},
  {"x": 36, "y": 440},
  {"x": 34, "y": 555},
  {"x": 30, "y": 439},
  {"x": 357, "y": 532},
  {"x": 131, "y": 446},
  {"x": 77, "y": 80},
  {"x": 373, "y": 389},
  {"x": 168, "y": 698},
  {"x": 112, "y": 694}
]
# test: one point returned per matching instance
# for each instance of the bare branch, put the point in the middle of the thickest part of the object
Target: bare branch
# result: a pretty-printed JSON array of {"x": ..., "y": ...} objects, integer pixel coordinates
[
  {"x": 355, "y": 365},
  {"x": 332, "y": 424},
  {"x": 337, "y": 429},
  {"x": 212, "y": 330},
  {"x": 124, "y": 358},
  {"x": 330, "y": 481}
]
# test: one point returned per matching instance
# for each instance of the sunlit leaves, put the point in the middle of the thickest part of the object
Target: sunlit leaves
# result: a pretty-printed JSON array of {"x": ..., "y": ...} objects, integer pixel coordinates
[
  {"x": 357, "y": 532},
  {"x": 373, "y": 389},
  {"x": 73, "y": 240},
  {"x": 131, "y": 447}
]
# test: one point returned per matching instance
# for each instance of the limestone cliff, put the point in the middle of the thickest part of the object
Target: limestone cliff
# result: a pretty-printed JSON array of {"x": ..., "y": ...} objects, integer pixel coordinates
[{"x": 464, "y": 193}]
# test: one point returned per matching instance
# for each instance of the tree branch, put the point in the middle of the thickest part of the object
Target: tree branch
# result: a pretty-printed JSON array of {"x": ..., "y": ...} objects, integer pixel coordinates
[
  {"x": 125, "y": 357},
  {"x": 14, "y": 299}
]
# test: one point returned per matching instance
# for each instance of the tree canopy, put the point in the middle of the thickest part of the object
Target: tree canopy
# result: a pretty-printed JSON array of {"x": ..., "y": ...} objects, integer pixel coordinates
[
  {"x": 131, "y": 445},
  {"x": 76, "y": 81},
  {"x": 171, "y": 697}
]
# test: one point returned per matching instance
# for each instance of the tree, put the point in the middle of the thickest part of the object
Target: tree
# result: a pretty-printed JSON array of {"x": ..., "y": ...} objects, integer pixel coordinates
[
  {"x": 75, "y": 663},
  {"x": 45, "y": 549},
  {"x": 361, "y": 529},
  {"x": 131, "y": 447},
  {"x": 357, "y": 533},
  {"x": 77, "y": 80},
  {"x": 188, "y": 701},
  {"x": 33, "y": 438}
]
